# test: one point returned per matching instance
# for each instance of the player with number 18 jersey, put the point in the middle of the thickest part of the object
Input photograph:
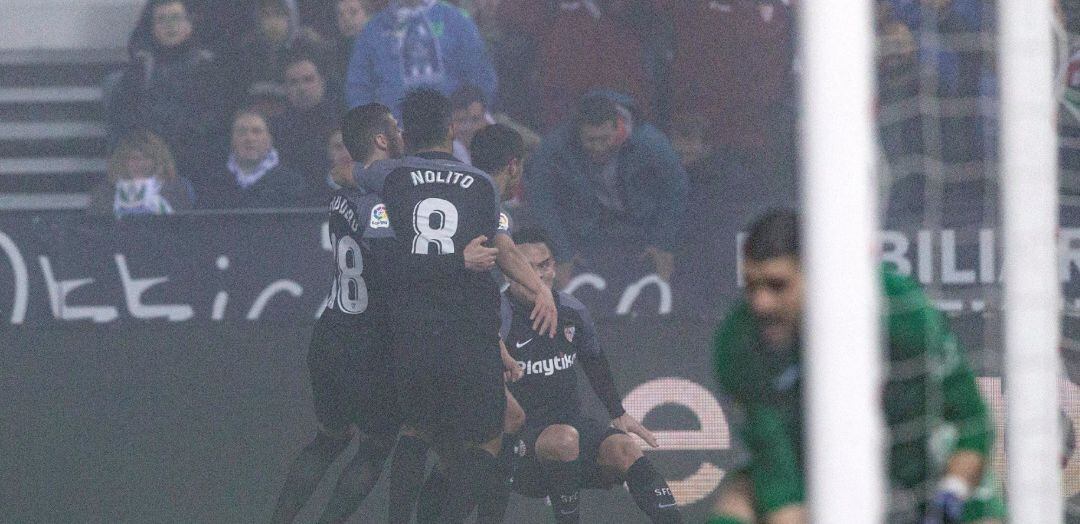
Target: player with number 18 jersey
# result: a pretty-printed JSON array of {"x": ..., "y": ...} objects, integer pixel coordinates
[{"x": 351, "y": 378}]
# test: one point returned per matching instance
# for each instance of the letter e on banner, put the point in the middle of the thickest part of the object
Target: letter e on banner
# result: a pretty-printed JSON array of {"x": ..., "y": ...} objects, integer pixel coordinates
[{"x": 714, "y": 434}]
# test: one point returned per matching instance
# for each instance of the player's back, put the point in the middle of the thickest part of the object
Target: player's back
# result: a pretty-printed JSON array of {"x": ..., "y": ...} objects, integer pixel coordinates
[
  {"x": 437, "y": 205},
  {"x": 361, "y": 241}
]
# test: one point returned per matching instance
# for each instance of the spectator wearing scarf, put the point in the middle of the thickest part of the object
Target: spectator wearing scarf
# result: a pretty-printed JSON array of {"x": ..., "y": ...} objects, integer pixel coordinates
[
  {"x": 142, "y": 180},
  {"x": 417, "y": 43},
  {"x": 255, "y": 177}
]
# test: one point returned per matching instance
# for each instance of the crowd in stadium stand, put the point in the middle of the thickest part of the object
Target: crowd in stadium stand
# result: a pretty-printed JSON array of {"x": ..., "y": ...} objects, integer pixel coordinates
[{"x": 704, "y": 92}]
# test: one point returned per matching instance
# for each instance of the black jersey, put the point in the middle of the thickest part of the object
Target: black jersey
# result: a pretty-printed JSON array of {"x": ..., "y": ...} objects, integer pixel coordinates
[
  {"x": 548, "y": 390},
  {"x": 361, "y": 240},
  {"x": 436, "y": 206}
]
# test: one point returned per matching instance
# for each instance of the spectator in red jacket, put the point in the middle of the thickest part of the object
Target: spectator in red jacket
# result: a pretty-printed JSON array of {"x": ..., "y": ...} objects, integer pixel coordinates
[
  {"x": 732, "y": 60},
  {"x": 587, "y": 48}
]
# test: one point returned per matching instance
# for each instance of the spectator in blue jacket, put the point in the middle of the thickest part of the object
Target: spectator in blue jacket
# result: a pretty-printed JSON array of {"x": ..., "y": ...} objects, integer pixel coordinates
[
  {"x": 417, "y": 43},
  {"x": 601, "y": 180}
]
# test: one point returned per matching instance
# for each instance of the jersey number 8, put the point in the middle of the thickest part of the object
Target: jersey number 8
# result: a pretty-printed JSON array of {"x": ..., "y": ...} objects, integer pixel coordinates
[
  {"x": 435, "y": 221},
  {"x": 349, "y": 290}
]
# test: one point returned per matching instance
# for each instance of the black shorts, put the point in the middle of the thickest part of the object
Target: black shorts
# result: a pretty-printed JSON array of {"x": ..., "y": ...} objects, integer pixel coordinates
[
  {"x": 451, "y": 387},
  {"x": 352, "y": 381},
  {"x": 528, "y": 479}
]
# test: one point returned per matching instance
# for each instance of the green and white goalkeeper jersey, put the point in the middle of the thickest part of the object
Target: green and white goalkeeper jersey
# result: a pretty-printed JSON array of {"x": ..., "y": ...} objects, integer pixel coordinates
[{"x": 932, "y": 405}]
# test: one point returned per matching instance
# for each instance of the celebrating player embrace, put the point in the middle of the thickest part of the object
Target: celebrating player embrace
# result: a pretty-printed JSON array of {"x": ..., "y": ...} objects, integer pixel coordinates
[{"x": 446, "y": 352}]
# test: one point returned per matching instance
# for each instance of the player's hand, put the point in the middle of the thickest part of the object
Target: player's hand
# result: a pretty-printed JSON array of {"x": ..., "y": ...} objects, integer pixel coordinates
[
  {"x": 628, "y": 424},
  {"x": 479, "y": 257},
  {"x": 663, "y": 261},
  {"x": 947, "y": 506},
  {"x": 512, "y": 372},
  {"x": 545, "y": 315}
]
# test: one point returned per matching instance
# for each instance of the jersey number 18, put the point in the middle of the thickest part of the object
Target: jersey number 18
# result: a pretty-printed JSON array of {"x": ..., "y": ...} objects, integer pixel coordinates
[{"x": 349, "y": 290}]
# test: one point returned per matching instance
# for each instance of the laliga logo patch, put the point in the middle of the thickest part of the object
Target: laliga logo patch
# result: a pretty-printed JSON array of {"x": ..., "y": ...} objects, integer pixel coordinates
[
  {"x": 504, "y": 222},
  {"x": 379, "y": 218},
  {"x": 569, "y": 333}
]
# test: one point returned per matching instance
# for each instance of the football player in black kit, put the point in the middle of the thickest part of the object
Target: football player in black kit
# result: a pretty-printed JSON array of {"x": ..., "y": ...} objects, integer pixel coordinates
[
  {"x": 351, "y": 379},
  {"x": 499, "y": 151},
  {"x": 446, "y": 351},
  {"x": 560, "y": 450}
]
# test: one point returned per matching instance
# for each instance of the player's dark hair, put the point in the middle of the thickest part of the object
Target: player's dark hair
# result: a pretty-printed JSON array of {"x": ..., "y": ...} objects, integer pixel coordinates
[
  {"x": 465, "y": 96},
  {"x": 772, "y": 236},
  {"x": 426, "y": 117},
  {"x": 493, "y": 147},
  {"x": 533, "y": 235},
  {"x": 359, "y": 127},
  {"x": 597, "y": 109}
]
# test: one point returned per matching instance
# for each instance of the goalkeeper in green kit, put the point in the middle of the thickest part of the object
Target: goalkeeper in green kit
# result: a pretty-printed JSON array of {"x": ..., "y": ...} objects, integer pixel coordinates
[{"x": 940, "y": 431}]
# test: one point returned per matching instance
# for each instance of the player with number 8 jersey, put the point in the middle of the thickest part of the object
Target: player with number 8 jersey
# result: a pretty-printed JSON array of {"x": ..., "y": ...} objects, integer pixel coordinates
[
  {"x": 445, "y": 317},
  {"x": 446, "y": 351}
]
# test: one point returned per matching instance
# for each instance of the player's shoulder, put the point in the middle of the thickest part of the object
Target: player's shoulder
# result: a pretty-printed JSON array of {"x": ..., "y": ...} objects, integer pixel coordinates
[
  {"x": 353, "y": 197},
  {"x": 571, "y": 304},
  {"x": 733, "y": 351},
  {"x": 442, "y": 169},
  {"x": 370, "y": 179},
  {"x": 737, "y": 334},
  {"x": 902, "y": 293}
]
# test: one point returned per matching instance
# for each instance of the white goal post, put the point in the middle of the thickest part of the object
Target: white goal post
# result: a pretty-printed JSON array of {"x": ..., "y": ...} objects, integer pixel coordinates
[
  {"x": 844, "y": 424},
  {"x": 1032, "y": 291}
]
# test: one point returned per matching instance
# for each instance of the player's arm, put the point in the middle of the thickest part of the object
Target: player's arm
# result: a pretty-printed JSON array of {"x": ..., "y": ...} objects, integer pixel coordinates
[
  {"x": 545, "y": 315},
  {"x": 511, "y": 371},
  {"x": 917, "y": 329},
  {"x": 774, "y": 467},
  {"x": 965, "y": 408},
  {"x": 925, "y": 331},
  {"x": 598, "y": 371}
]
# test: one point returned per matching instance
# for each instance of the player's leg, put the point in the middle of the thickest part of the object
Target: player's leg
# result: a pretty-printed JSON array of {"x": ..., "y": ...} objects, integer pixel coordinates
[
  {"x": 374, "y": 413},
  {"x": 514, "y": 416},
  {"x": 497, "y": 498},
  {"x": 650, "y": 491},
  {"x": 406, "y": 475},
  {"x": 357, "y": 479},
  {"x": 474, "y": 420},
  {"x": 433, "y": 495},
  {"x": 305, "y": 472},
  {"x": 558, "y": 450},
  {"x": 328, "y": 368},
  {"x": 735, "y": 503}
]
